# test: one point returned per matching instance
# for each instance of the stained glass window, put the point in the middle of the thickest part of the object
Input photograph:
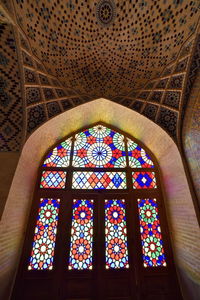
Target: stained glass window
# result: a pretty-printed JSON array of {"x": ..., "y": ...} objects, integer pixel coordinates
[
  {"x": 144, "y": 180},
  {"x": 60, "y": 155},
  {"x": 99, "y": 180},
  {"x": 53, "y": 180},
  {"x": 115, "y": 235},
  {"x": 81, "y": 235},
  {"x": 103, "y": 148},
  {"x": 42, "y": 253},
  {"x": 152, "y": 244},
  {"x": 99, "y": 147},
  {"x": 138, "y": 158}
]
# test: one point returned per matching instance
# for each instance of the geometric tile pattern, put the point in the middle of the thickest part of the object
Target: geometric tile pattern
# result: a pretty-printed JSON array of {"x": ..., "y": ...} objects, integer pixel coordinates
[
  {"x": 60, "y": 71},
  {"x": 172, "y": 99},
  {"x": 53, "y": 109},
  {"x": 136, "y": 51},
  {"x": 11, "y": 113},
  {"x": 156, "y": 96},
  {"x": 36, "y": 116},
  {"x": 181, "y": 66},
  {"x": 44, "y": 79},
  {"x": 53, "y": 180},
  {"x": 162, "y": 83},
  {"x": 167, "y": 119},
  {"x": 24, "y": 42},
  {"x": 150, "y": 111},
  {"x": 99, "y": 180},
  {"x": 60, "y": 93},
  {"x": 176, "y": 82},
  {"x": 137, "y": 105},
  {"x": 144, "y": 180},
  {"x": 33, "y": 95},
  {"x": 30, "y": 76},
  {"x": 66, "y": 104},
  {"x": 27, "y": 60},
  {"x": 49, "y": 94}
]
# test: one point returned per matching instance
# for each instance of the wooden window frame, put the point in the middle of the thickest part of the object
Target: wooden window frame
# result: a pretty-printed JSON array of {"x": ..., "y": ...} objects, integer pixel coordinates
[{"x": 137, "y": 272}]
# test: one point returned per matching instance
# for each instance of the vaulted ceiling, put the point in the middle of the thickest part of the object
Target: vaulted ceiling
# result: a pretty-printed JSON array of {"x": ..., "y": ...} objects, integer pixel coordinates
[
  {"x": 140, "y": 53},
  {"x": 106, "y": 48}
]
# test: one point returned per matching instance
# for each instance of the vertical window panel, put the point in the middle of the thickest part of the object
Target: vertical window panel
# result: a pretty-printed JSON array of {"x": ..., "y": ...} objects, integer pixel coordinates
[
  {"x": 151, "y": 238},
  {"x": 144, "y": 180},
  {"x": 42, "y": 253},
  {"x": 81, "y": 246},
  {"x": 53, "y": 180},
  {"x": 116, "y": 235}
]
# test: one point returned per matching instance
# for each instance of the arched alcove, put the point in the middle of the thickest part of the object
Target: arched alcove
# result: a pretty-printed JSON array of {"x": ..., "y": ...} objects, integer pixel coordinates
[{"x": 180, "y": 211}]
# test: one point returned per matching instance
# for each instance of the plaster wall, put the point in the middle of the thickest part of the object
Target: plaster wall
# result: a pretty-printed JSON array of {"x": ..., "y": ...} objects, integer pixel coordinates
[{"x": 182, "y": 220}]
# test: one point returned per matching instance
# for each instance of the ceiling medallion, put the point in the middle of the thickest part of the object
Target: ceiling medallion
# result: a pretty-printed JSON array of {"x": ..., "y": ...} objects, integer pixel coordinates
[{"x": 105, "y": 12}]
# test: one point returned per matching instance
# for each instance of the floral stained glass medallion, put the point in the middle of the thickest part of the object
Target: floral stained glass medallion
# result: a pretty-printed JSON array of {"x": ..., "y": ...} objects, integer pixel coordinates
[
  {"x": 42, "y": 253},
  {"x": 99, "y": 147},
  {"x": 151, "y": 238},
  {"x": 116, "y": 235},
  {"x": 99, "y": 180},
  {"x": 144, "y": 180},
  {"x": 137, "y": 156},
  {"x": 81, "y": 246},
  {"x": 60, "y": 155},
  {"x": 53, "y": 180}
]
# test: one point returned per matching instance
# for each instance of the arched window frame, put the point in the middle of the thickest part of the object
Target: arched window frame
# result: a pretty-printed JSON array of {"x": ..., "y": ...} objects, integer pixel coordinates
[{"x": 62, "y": 247}]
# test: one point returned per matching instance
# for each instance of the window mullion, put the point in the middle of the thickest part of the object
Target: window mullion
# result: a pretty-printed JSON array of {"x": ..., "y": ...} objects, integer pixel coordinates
[
  {"x": 101, "y": 232},
  {"x": 132, "y": 243},
  {"x": 72, "y": 151},
  {"x": 63, "y": 241}
]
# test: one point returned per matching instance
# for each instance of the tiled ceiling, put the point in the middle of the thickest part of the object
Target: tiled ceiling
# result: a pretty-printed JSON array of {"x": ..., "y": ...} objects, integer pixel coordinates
[
  {"x": 57, "y": 54},
  {"x": 106, "y": 48}
]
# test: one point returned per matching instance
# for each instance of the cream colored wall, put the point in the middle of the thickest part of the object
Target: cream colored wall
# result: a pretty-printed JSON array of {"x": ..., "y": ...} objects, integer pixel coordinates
[
  {"x": 180, "y": 211},
  {"x": 6, "y": 174}
]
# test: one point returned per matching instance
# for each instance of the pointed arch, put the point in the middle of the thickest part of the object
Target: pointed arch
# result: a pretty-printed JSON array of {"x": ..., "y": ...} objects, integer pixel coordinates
[{"x": 177, "y": 195}]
